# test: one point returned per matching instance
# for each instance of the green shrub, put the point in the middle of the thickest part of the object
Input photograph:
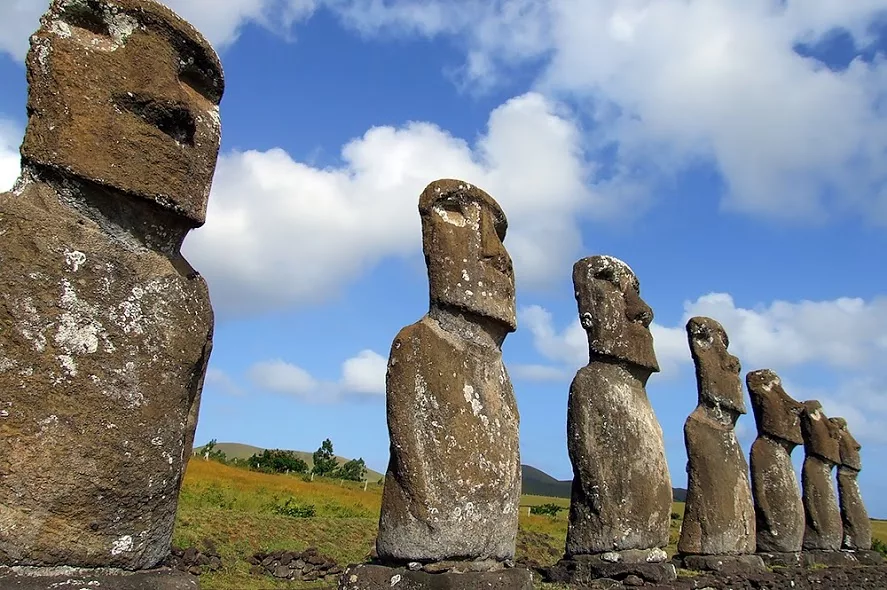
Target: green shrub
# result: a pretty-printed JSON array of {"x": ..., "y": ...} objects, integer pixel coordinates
[
  {"x": 292, "y": 508},
  {"x": 879, "y": 546},
  {"x": 546, "y": 509}
]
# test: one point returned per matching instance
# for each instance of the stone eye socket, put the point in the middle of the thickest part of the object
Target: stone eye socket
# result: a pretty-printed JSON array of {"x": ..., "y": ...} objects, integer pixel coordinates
[
  {"x": 198, "y": 80},
  {"x": 87, "y": 16}
]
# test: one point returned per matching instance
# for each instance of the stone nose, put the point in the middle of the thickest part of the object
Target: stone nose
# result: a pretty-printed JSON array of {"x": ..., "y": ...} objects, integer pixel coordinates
[
  {"x": 636, "y": 309},
  {"x": 492, "y": 249}
]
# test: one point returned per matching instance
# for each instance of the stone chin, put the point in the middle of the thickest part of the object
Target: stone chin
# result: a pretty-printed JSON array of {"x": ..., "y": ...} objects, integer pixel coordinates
[{"x": 125, "y": 94}]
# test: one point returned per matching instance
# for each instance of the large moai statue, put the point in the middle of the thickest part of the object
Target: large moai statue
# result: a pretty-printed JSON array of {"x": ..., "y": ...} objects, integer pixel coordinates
[
  {"x": 453, "y": 484},
  {"x": 105, "y": 329},
  {"x": 621, "y": 497},
  {"x": 857, "y": 527},
  {"x": 779, "y": 511},
  {"x": 822, "y": 453},
  {"x": 718, "y": 529}
]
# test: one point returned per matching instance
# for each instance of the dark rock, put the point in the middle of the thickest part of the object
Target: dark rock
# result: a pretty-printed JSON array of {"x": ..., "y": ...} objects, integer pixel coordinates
[
  {"x": 315, "y": 559},
  {"x": 585, "y": 569},
  {"x": 868, "y": 557},
  {"x": 453, "y": 483},
  {"x": 256, "y": 570},
  {"x": 723, "y": 564},
  {"x": 299, "y": 564},
  {"x": 281, "y": 571},
  {"x": 822, "y": 444},
  {"x": 45, "y": 579},
  {"x": 779, "y": 511},
  {"x": 106, "y": 328},
  {"x": 195, "y": 570},
  {"x": 376, "y": 577},
  {"x": 828, "y": 558},
  {"x": 286, "y": 558},
  {"x": 619, "y": 500},
  {"x": 719, "y": 518},
  {"x": 632, "y": 580},
  {"x": 780, "y": 559}
]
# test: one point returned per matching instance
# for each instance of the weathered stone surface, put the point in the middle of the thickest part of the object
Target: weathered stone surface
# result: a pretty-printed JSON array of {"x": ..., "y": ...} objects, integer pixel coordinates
[
  {"x": 868, "y": 557},
  {"x": 105, "y": 330},
  {"x": 779, "y": 511},
  {"x": 719, "y": 518},
  {"x": 822, "y": 440},
  {"x": 581, "y": 570},
  {"x": 857, "y": 528},
  {"x": 776, "y": 558},
  {"x": 377, "y": 577},
  {"x": 620, "y": 500},
  {"x": 69, "y": 578},
  {"x": 723, "y": 564},
  {"x": 828, "y": 558},
  {"x": 452, "y": 488}
]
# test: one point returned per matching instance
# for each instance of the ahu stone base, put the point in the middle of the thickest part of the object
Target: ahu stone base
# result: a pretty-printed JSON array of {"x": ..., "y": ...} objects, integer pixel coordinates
[
  {"x": 868, "y": 557},
  {"x": 379, "y": 577},
  {"x": 828, "y": 558},
  {"x": 722, "y": 564},
  {"x": 648, "y": 565},
  {"x": 65, "y": 578},
  {"x": 781, "y": 559}
]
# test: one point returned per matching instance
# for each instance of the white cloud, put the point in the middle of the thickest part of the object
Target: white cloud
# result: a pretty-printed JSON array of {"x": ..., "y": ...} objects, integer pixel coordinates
[
  {"x": 862, "y": 401},
  {"x": 671, "y": 82},
  {"x": 218, "y": 379},
  {"x": 362, "y": 375},
  {"x": 281, "y": 232},
  {"x": 10, "y": 161},
  {"x": 538, "y": 372}
]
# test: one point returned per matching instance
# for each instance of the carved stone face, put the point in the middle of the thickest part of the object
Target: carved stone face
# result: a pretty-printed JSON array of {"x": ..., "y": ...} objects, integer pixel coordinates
[
  {"x": 776, "y": 414},
  {"x": 468, "y": 267},
  {"x": 717, "y": 371},
  {"x": 612, "y": 312},
  {"x": 125, "y": 94},
  {"x": 822, "y": 437},
  {"x": 849, "y": 446}
]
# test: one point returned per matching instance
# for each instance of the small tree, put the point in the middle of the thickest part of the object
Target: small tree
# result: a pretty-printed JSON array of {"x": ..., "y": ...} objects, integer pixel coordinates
[
  {"x": 210, "y": 451},
  {"x": 324, "y": 460},
  {"x": 353, "y": 470},
  {"x": 277, "y": 461}
]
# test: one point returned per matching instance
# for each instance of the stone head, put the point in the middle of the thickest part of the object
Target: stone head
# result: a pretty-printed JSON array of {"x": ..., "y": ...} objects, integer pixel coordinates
[
  {"x": 717, "y": 371},
  {"x": 125, "y": 94},
  {"x": 822, "y": 437},
  {"x": 463, "y": 229},
  {"x": 849, "y": 446},
  {"x": 612, "y": 312},
  {"x": 776, "y": 414}
]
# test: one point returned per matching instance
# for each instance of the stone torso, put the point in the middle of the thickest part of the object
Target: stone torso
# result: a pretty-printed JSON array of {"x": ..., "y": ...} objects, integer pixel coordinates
[
  {"x": 779, "y": 511},
  {"x": 103, "y": 344},
  {"x": 719, "y": 516},
  {"x": 621, "y": 495},
  {"x": 453, "y": 484}
]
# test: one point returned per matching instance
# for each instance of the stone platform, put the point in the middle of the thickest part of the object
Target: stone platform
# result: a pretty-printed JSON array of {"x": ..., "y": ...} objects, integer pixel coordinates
[
  {"x": 648, "y": 565},
  {"x": 378, "y": 577},
  {"x": 722, "y": 564},
  {"x": 868, "y": 557},
  {"x": 780, "y": 559},
  {"x": 56, "y": 578},
  {"x": 828, "y": 558}
]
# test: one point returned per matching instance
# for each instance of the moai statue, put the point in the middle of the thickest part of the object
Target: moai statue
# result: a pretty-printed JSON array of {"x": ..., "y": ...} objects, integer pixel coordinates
[
  {"x": 854, "y": 517},
  {"x": 621, "y": 497},
  {"x": 718, "y": 529},
  {"x": 453, "y": 484},
  {"x": 779, "y": 512},
  {"x": 822, "y": 452},
  {"x": 105, "y": 329}
]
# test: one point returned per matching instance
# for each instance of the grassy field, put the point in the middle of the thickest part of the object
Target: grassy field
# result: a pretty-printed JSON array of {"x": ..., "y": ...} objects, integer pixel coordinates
[{"x": 242, "y": 512}]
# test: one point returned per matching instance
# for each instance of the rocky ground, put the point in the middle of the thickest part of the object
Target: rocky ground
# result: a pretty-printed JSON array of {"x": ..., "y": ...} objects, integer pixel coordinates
[{"x": 834, "y": 578}]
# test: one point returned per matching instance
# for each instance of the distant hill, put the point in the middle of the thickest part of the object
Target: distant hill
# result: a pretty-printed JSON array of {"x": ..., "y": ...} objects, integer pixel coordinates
[
  {"x": 538, "y": 483},
  {"x": 242, "y": 452}
]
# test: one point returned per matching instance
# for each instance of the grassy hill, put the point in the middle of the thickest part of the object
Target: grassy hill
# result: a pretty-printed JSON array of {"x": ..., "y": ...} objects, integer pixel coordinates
[
  {"x": 538, "y": 483},
  {"x": 242, "y": 452}
]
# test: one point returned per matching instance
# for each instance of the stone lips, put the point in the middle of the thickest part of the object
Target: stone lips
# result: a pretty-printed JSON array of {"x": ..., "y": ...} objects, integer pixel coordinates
[
  {"x": 779, "y": 511},
  {"x": 126, "y": 94},
  {"x": 620, "y": 501},
  {"x": 453, "y": 484},
  {"x": 106, "y": 329},
  {"x": 719, "y": 518}
]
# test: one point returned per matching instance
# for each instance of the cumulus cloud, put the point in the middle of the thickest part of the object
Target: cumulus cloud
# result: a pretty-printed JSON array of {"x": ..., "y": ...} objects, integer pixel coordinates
[
  {"x": 362, "y": 375},
  {"x": 845, "y": 333},
  {"x": 280, "y": 232},
  {"x": 10, "y": 162},
  {"x": 668, "y": 83},
  {"x": 217, "y": 379}
]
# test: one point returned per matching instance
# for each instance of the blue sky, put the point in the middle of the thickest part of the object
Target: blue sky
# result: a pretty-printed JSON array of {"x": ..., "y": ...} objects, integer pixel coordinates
[{"x": 733, "y": 153}]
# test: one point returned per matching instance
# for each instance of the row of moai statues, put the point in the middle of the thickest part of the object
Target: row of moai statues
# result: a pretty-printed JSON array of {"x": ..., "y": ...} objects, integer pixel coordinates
[
  {"x": 452, "y": 489},
  {"x": 105, "y": 329}
]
